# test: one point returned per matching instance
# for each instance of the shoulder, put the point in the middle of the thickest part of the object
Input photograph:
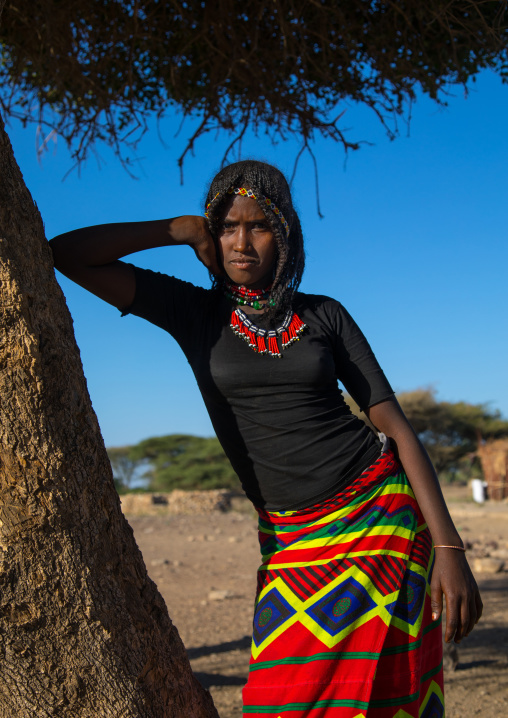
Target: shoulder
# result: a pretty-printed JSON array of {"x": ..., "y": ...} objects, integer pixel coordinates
[
  {"x": 169, "y": 302},
  {"x": 325, "y": 308}
]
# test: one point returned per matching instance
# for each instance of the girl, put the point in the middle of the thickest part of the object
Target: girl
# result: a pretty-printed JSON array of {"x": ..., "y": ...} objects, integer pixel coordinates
[{"x": 357, "y": 544}]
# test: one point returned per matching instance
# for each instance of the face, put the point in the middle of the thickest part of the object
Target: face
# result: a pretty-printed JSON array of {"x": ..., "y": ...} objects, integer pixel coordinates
[{"x": 246, "y": 244}]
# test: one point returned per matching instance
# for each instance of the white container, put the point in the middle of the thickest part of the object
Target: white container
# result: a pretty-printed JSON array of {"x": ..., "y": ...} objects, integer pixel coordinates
[{"x": 478, "y": 487}]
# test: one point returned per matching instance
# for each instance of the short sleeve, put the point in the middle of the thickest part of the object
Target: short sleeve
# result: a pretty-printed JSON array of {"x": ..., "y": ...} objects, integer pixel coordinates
[
  {"x": 167, "y": 302},
  {"x": 356, "y": 365}
]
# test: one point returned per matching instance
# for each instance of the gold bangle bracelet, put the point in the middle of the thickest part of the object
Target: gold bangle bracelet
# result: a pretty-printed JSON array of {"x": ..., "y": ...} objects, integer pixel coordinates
[{"x": 459, "y": 548}]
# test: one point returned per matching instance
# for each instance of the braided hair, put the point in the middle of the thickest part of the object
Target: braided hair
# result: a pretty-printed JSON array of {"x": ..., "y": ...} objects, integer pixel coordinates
[{"x": 264, "y": 179}]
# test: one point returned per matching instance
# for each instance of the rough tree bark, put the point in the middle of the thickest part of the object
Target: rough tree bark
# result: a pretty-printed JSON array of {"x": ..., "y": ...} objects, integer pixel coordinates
[{"x": 83, "y": 630}]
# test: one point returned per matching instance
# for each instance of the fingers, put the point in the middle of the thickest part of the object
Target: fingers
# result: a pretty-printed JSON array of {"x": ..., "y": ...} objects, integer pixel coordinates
[
  {"x": 207, "y": 254},
  {"x": 454, "y": 619},
  {"x": 436, "y": 599},
  {"x": 467, "y": 618},
  {"x": 197, "y": 235},
  {"x": 453, "y": 623},
  {"x": 452, "y": 576},
  {"x": 476, "y": 608},
  {"x": 462, "y": 614},
  {"x": 479, "y": 605},
  {"x": 457, "y": 619},
  {"x": 472, "y": 618}
]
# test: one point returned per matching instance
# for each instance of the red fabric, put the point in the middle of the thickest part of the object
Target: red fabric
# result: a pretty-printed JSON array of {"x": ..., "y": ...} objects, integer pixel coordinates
[{"x": 342, "y": 625}]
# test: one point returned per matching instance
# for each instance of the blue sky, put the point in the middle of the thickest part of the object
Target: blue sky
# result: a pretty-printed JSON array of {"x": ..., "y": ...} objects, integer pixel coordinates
[{"x": 413, "y": 243}]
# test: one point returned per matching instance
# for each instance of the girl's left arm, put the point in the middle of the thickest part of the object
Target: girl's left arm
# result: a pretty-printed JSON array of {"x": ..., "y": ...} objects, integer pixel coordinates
[{"x": 452, "y": 575}]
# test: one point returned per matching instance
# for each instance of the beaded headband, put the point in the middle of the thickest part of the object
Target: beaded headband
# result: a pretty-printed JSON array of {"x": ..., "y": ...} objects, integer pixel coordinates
[{"x": 260, "y": 197}]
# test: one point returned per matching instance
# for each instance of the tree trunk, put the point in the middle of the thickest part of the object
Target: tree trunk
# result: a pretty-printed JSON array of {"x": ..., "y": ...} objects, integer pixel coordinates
[{"x": 83, "y": 629}]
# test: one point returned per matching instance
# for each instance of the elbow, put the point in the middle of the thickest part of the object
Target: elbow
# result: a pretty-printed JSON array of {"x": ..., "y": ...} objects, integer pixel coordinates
[
  {"x": 58, "y": 254},
  {"x": 388, "y": 417},
  {"x": 55, "y": 250},
  {"x": 65, "y": 256}
]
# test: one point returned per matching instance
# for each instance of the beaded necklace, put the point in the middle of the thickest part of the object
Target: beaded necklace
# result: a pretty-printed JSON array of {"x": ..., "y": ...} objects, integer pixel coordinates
[
  {"x": 262, "y": 341},
  {"x": 247, "y": 297}
]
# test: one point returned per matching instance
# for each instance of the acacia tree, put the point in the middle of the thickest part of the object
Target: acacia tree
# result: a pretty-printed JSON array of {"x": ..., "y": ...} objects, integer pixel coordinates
[
  {"x": 180, "y": 461},
  {"x": 452, "y": 432},
  {"x": 123, "y": 466},
  {"x": 96, "y": 69},
  {"x": 83, "y": 629}
]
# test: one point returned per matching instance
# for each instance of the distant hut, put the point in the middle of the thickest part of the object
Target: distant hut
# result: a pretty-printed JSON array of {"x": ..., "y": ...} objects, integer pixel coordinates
[{"x": 493, "y": 455}]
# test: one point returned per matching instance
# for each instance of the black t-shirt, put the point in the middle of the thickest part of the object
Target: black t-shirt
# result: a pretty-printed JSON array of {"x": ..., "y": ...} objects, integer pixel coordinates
[{"x": 283, "y": 423}]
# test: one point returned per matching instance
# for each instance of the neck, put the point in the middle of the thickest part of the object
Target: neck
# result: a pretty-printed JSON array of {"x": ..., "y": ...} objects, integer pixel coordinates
[{"x": 251, "y": 299}]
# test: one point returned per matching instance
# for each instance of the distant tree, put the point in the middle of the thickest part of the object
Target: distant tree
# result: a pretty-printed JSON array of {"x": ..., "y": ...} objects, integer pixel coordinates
[
  {"x": 180, "y": 461},
  {"x": 451, "y": 431},
  {"x": 123, "y": 465}
]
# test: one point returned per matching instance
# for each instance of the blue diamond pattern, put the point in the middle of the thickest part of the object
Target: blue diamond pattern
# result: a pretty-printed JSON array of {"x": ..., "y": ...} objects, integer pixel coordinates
[
  {"x": 410, "y": 600},
  {"x": 434, "y": 708},
  {"x": 279, "y": 611},
  {"x": 357, "y": 599}
]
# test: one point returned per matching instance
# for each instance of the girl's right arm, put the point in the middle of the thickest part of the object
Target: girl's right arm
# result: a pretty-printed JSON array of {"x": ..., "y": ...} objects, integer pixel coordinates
[{"x": 89, "y": 256}]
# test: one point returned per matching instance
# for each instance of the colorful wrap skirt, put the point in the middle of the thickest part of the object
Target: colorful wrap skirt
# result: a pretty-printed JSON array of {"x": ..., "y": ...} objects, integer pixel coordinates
[{"x": 342, "y": 623}]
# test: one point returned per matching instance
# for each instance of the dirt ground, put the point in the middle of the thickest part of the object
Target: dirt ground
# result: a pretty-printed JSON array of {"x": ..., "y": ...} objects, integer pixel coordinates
[{"x": 205, "y": 568}]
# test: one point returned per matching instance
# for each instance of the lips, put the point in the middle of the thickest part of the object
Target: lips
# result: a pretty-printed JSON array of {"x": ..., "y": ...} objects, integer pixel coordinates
[{"x": 242, "y": 262}]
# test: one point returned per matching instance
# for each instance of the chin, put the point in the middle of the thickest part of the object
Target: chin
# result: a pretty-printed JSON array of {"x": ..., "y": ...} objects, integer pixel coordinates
[
  {"x": 242, "y": 279},
  {"x": 246, "y": 279}
]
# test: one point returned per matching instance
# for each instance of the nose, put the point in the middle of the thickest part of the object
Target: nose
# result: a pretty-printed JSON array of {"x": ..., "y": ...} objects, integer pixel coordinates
[{"x": 241, "y": 239}]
